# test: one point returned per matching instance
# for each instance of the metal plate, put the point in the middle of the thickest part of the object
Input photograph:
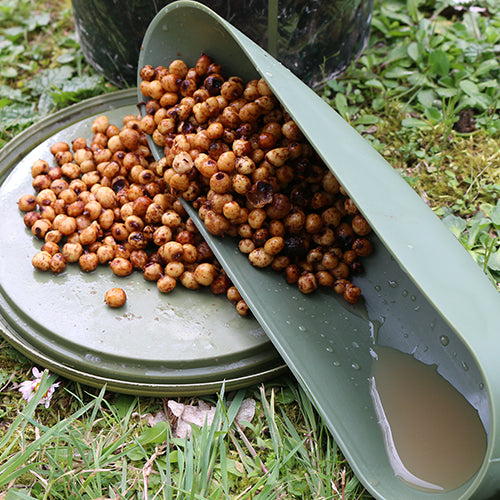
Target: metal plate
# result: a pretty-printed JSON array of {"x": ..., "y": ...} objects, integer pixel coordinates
[{"x": 182, "y": 343}]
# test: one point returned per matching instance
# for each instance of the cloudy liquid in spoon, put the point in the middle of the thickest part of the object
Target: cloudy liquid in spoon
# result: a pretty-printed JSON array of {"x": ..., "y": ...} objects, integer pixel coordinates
[{"x": 434, "y": 438}]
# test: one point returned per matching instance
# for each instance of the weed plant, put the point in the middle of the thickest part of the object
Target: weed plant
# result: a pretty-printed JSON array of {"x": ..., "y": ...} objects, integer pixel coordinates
[{"x": 424, "y": 93}]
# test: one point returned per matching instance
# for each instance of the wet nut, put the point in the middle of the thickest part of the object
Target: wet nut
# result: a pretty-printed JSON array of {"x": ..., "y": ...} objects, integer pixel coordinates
[
  {"x": 170, "y": 251},
  {"x": 352, "y": 293},
  {"x": 105, "y": 254},
  {"x": 106, "y": 197},
  {"x": 307, "y": 283},
  {"x": 139, "y": 259},
  {"x": 278, "y": 156},
  {"x": 360, "y": 226},
  {"x": 182, "y": 162},
  {"x": 349, "y": 207},
  {"x": 87, "y": 235},
  {"x": 115, "y": 297},
  {"x": 189, "y": 253},
  {"x": 245, "y": 165},
  {"x": 121, "y": 266},
  {"x": 41, "y": 260},
  {"x": 152, "y": 271},
  {"x": 341, "y": 271},
  {"x": 362, "y": 247},
  {"x": 242, "y": 308},
  {"x": 241, "y": 184},
  {"x": 325, "y": 237},
  {"x": 166, "y": 283},
  {"x": 246, "y": 245},
  {"x": 294, "y": 221},
  {"x": 215, "y": 223},
  {"x": 88, "y": 262},
  {"x": 292, "y": 273},
  {"x": 233, "y": 294},
  {"x": 46, "y": 197},
  {"x": 171, "y": 219},
  {"x": 30, "y": 218},
  {"x": 329, "y": 260},
  {"x": 57, "y": 263},
  {"x": 47, "y": 213},
  {"x": 220, "y": 284},
  {"x": 274, "y": 245},
  {"x": 39, "y": 167},
  {"x": 27, "y": 203},
  {"x": 122, "y": 252},
  {"x": 256, "y": 218},
  {"x": 188, "y": 280},
  {"x": 205, "y": 274},
  {"x": 331, "y": 217},
  {"x": 174, "y": 268},
  {"x": 280, "y": 263},
  {"x": 63, "y": 157},
  {"x": 260, "y": 258},
  {"x": 340, "y": 285},
  {"x": 220, "y": 182},
  {"x": 325, "y": 279},
  {"x": 313, "y": 223},
  {"x": 66, "y": 225},
  {"x": 100, "y": 124},
  {"x": 40, "y": 227}
]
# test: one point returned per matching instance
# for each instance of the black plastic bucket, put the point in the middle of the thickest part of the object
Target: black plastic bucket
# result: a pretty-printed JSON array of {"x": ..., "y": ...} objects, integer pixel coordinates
[{"x": 316, "y": 39}]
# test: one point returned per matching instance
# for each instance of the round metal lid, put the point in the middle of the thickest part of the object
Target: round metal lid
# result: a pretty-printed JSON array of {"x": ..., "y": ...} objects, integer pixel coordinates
[{"x": 182, "y": 343}]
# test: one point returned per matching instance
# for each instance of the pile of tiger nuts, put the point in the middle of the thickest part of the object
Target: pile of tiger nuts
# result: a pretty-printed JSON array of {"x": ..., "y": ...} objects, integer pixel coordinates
[
  {"x": 232, "y": 150},
  {"x": 103, "y": 203}
]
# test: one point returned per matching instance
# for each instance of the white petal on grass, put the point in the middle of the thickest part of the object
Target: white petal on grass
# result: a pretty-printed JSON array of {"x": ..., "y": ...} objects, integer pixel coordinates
[{"x": 29, "y": 388}]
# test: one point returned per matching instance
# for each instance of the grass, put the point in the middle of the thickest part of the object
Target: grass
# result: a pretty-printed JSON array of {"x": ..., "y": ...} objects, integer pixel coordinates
[
  {"x": 424, "y": 93},
  {"x": 104, "y": 448}
]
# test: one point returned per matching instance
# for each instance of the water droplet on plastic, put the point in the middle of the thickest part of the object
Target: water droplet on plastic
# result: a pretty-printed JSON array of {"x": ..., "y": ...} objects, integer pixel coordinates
[
  {"x": 329, "y": 349},
  {"x": 444, "y": 340},
  {"x": 393, "y": 284},
  {"x": 302, "y": 328},
  {"x": 355, "y": 345},
  {"x": 92, "y": 358},
  {"x": 465, "y": 366},
  {"x": 404, "y": 293},
  {"x": 336, "y": 363},
  {"x": 481, "y": 386},
  {"x": 355, "y": 366},
  {"x": 300, "y": 308},
  {"x": 413, "y": 298},
  {"x": 378, "y": 288}
]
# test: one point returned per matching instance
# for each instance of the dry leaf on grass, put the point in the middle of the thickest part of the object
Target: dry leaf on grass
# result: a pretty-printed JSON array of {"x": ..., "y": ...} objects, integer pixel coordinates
[
  {"x": 203, "y": 413},
  {"x": 190, "y": 414}
]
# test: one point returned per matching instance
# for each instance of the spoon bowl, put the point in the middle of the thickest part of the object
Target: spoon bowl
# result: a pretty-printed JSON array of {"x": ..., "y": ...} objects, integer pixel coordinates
[{"x": 422, "y": 292}]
